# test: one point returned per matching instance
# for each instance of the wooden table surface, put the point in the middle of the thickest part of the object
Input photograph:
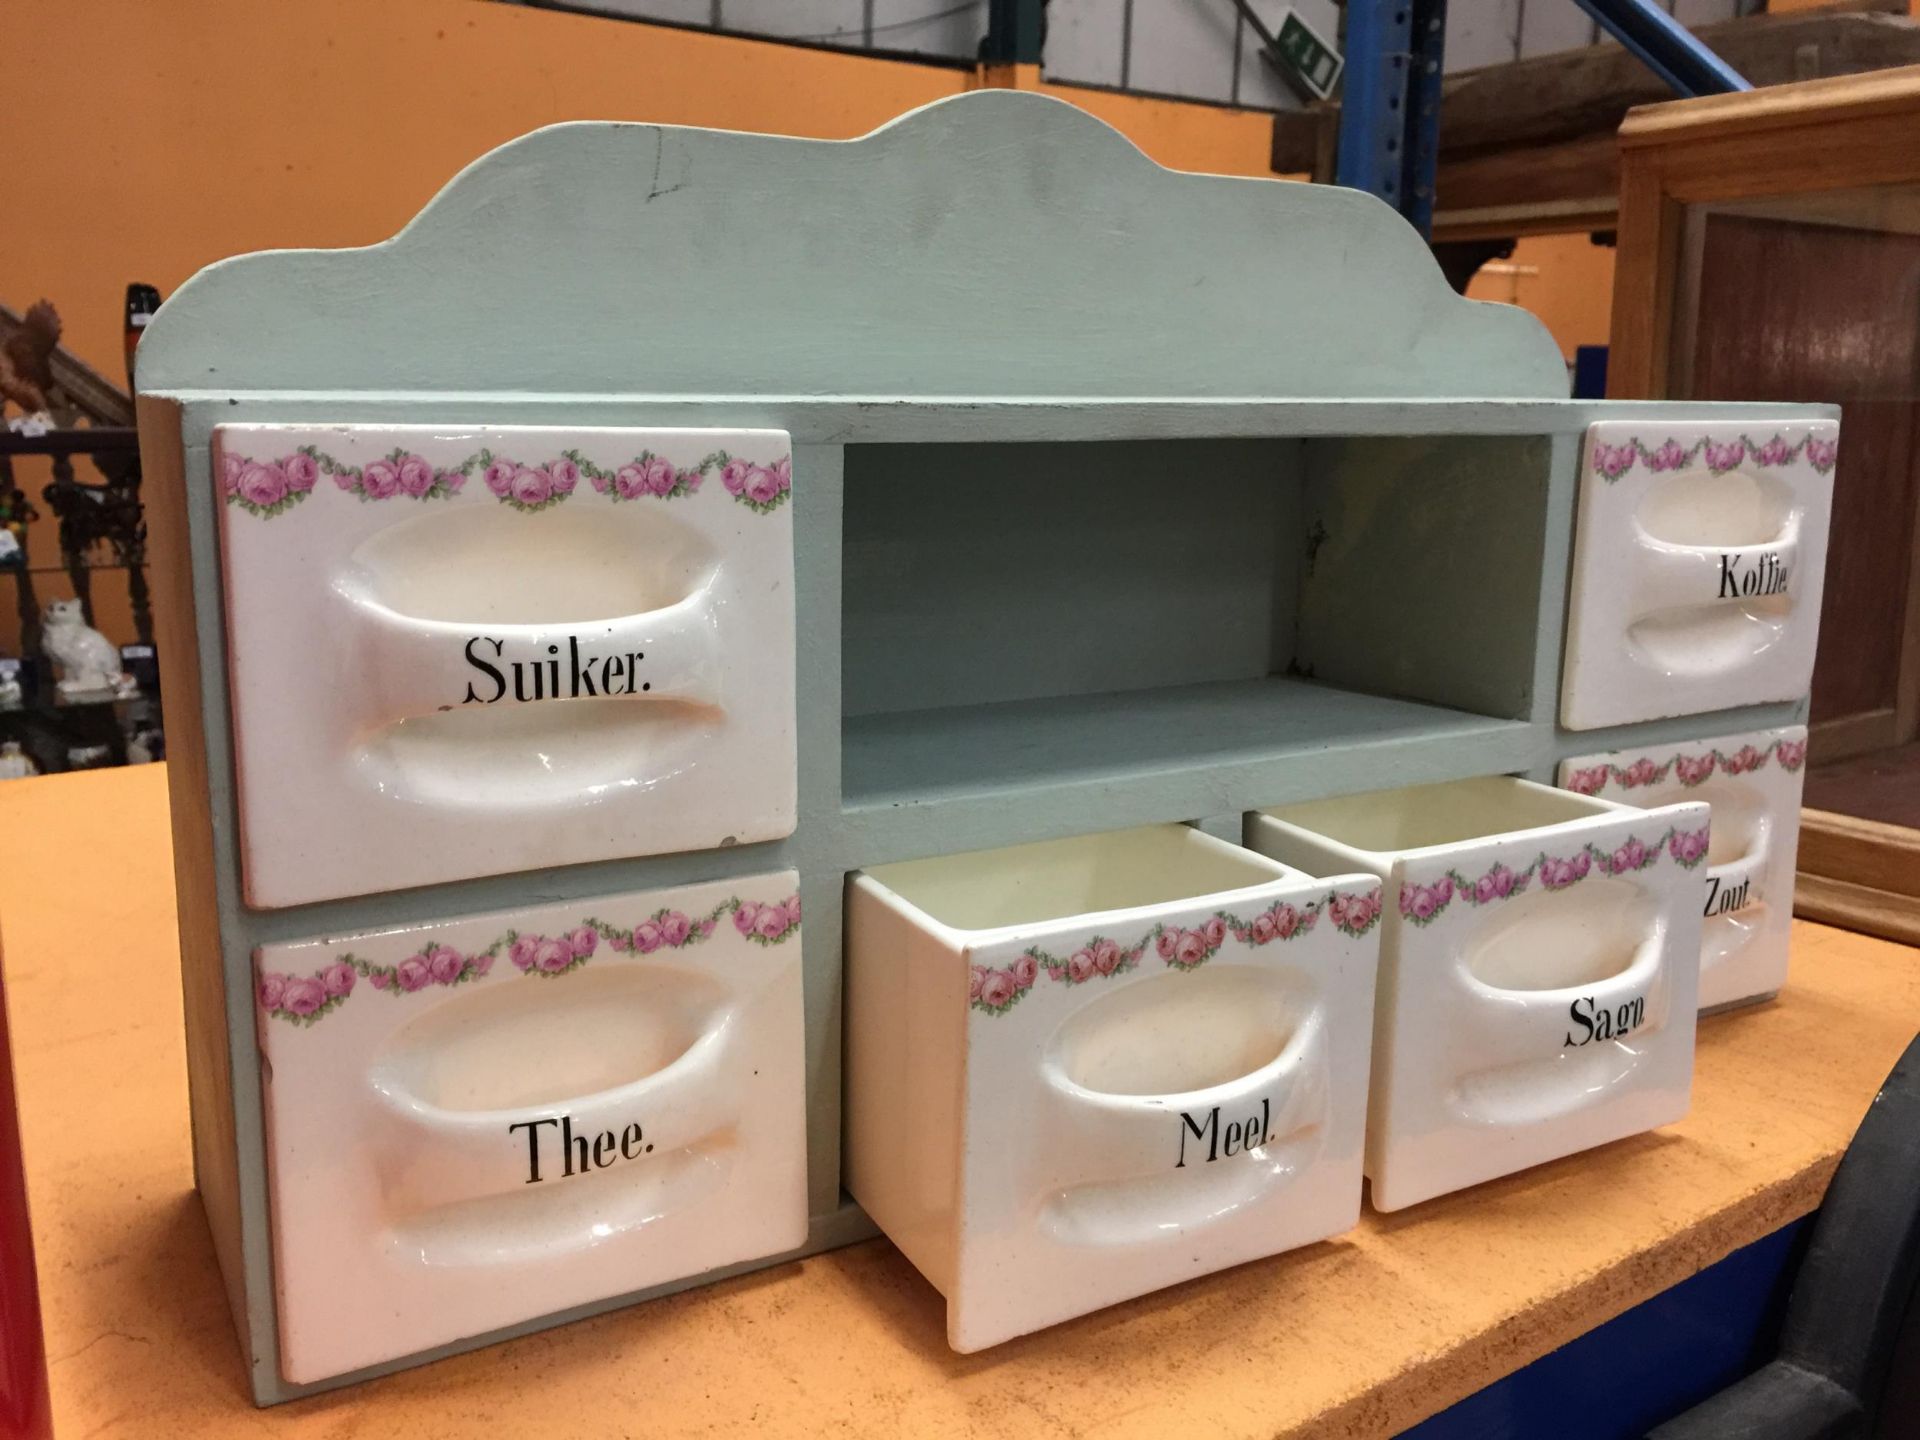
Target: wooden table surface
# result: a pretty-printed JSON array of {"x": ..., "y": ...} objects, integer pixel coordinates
[{"x": 1357, "y": 1337}]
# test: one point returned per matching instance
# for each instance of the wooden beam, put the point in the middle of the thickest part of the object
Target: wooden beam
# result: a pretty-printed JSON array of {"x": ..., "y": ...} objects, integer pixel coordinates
[
  {"x": 1301, "y": 138},
  {"x": 1583, "y": 92},
  {"x": 1852, "y": 99},
  {"x": 1861, "y": 852},
  {"x": 1512, "y": 222},
  {"x": 1860, "y": 874},
  {"x": 1857, "y": 907},
  {"x": 1555, "y": 189}
]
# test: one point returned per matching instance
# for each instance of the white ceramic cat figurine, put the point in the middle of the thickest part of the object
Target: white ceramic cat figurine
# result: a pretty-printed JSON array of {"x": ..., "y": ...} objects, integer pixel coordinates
[
  {"x": 87, "y": 660},
  {"x": 15, "y": 763}
]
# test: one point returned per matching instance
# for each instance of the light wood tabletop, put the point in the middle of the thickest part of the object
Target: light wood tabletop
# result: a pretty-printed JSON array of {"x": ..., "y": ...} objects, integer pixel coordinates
[{"x": 1361, "y": 1336}]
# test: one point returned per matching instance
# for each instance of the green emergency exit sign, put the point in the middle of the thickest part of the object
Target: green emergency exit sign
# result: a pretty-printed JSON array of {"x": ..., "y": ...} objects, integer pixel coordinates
[{"x": 1314, "y": 62}]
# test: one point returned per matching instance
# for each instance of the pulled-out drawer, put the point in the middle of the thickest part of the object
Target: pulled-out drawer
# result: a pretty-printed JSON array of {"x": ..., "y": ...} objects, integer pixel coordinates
[
  {"x": 1538, "y": 967},
  {"x": 1081, "y": 1070}
]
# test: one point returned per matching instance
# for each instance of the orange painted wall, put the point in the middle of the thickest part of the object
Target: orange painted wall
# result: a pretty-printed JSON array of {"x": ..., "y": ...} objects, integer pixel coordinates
[
  {"x": 1566, "y": 280},
  {"x": 213, "y": 127},
  {"x": 167, "y": 134}
]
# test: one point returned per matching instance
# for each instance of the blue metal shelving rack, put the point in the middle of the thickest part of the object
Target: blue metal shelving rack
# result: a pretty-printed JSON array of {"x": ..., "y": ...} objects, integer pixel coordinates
[{"x": 1390, "y": 105}]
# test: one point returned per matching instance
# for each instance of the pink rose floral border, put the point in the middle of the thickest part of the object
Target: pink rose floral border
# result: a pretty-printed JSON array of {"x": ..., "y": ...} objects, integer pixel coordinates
[
  {"x": 268, "y": 487},
  {"x": 1690, "y": 768},
  {"x": 1612, "y": 461},
  {"x": 305, "y": 999},
  {"x": 996, "y": 989},
  {"x": 1423, "y": 904},
  {"x": 271, "y": 487},
  {"x": 761, "y": 488}
]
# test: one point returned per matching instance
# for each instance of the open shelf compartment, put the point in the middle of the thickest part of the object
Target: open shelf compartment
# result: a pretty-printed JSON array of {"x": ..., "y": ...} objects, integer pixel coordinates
[
  {"x": 1161, "y": 629},
  {"x": 1242, "y": 727}
]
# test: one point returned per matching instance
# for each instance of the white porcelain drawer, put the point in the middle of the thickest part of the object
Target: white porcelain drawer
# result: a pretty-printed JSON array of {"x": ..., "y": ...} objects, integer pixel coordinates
[
  {"x": 1538, "y": 964},
  {"x": 1082, "y": 1070},
  {"x": 1753, "y": 782},
  {"x": 481, "y": 1121},
  {"x": 460, "y": 651},
  {"x": 1697, "y": 567}
]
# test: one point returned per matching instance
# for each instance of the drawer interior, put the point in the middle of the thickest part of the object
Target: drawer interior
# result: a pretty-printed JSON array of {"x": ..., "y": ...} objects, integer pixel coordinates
[
  {"x": 1086, "y": 874},
  {"x": 1384, "y": 821}
]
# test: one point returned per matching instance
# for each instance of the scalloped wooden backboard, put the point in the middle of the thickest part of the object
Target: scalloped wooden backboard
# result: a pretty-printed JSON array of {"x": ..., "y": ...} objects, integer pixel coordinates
[{"x": 993, "y": 244}]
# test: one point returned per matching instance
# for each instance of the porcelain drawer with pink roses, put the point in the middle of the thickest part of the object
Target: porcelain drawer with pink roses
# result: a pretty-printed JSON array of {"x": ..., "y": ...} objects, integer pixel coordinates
[
  {"x": 711, "y": 717},
  {"x": 457, "y": 652}
]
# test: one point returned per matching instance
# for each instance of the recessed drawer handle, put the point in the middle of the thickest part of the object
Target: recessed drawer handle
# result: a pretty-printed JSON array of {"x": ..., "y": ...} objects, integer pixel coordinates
[
  {"x": 1675, "y": 577},
  {"x": 432, "y": 1155},
  {"x": 1105, "y": 1137},
  {"x": 1524, "y": 1058},
  {"x": 1493, "y": 1025},
  {"x": 411, "y": 666}
]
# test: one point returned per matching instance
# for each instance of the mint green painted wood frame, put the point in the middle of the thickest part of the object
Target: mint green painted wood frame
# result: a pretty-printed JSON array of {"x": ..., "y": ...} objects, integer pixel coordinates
[{"x": 992, "y": 270}]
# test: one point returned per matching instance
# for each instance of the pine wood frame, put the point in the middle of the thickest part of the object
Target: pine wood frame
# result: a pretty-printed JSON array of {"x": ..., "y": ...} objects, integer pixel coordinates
[
  {"x": 1838, "y": 134},
  {"x": 1820, "y": 135}
]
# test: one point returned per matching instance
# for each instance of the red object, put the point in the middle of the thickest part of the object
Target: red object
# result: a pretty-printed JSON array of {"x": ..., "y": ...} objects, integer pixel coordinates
[{"x": 25, "y": 1412}]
